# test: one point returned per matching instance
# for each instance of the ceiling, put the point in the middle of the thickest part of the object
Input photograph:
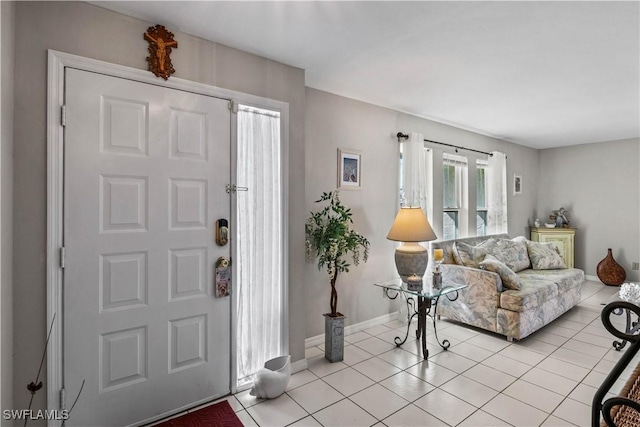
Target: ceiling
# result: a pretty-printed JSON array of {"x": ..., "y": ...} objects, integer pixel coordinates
[{"x": 540, "y": 74}]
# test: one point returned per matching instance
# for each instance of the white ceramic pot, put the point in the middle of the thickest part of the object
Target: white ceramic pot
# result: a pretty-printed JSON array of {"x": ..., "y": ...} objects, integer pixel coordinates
[{"x": 272, "y": 380}]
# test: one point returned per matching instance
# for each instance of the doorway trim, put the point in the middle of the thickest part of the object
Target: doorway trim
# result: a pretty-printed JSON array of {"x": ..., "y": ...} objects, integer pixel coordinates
[{"x": 57, "y": 62}]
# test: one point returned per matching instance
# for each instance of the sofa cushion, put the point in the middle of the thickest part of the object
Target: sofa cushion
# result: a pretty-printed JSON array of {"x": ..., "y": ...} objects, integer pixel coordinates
[
  {"x": 514, "y": 253},
  {"x": 510, "y": 280},
  {"x": 470, "y": 256},
  {"x": 532, "y": 294},
  {"x": 544, "y": 256},
  {"x": 566, "y": 279},
  {"x": 447, "y": 245}
]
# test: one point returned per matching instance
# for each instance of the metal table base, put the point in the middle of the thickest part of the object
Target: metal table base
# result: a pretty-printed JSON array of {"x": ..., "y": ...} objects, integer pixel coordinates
[{"x": 421, "y": 308}]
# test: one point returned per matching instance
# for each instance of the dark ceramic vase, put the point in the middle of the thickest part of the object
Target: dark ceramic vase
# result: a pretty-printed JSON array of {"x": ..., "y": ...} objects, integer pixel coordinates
[{"x": 610, "y": 272}]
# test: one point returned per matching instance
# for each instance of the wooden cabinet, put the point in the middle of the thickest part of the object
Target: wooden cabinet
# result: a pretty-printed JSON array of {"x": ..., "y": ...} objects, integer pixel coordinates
[{"x": 562, "y": 238}]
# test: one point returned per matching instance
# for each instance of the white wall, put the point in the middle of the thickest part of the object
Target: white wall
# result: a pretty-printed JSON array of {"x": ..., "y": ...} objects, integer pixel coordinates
[
  {"x": 334, "y": 122},
  {"x": 598, "y": 184},
  {"x": 7, "y": 20},
  {"x": 90, "y": 31}
]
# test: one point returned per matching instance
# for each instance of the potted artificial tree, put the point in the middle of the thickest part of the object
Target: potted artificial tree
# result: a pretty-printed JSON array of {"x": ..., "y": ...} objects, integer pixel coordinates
[{"x": 329, "y": 238}]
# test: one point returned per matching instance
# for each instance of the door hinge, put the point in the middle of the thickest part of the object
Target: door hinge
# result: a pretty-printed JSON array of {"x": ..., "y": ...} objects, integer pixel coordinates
[
  {"x": 63, "y": 115},
  {"x": 233, "y": 106},
  {"x": 63, "y": 398},
  {"x": 63, "y": 253}
]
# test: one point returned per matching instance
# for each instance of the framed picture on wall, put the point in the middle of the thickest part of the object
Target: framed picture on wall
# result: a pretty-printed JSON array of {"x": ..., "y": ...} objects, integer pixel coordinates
[
  {"x": 517, "y": 185},
  {"x": 349, "y": 169}
]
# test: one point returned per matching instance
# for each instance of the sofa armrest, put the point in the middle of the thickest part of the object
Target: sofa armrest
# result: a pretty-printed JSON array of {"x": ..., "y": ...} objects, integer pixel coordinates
[
  {"x": 486, "y": 282},
  {"x": 477, "y": 304}
]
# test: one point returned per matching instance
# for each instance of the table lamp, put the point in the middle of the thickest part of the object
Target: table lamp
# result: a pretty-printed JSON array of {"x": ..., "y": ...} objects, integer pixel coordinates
[{"x": 410, "y": 227}]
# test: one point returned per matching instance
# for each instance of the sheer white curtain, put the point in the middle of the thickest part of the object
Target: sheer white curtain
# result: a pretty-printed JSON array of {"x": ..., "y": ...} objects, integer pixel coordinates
[
  {"x": 428, "y": 161},
  {"x": 497, "y": 193},
  {"x": 416, "y": 176},
  {"x": 259, "y": 269}
]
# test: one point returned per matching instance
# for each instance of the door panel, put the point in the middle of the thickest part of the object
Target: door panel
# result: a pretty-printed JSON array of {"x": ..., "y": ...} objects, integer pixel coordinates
[{"x": 145, "y": 175}]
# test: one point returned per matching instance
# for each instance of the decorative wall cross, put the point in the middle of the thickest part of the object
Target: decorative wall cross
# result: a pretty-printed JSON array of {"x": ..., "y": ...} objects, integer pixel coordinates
[{"x": 160, "y": 43}]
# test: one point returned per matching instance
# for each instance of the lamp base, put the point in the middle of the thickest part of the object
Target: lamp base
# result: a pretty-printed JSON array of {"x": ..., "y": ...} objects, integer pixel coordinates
[{"x": 411, "y": 262}]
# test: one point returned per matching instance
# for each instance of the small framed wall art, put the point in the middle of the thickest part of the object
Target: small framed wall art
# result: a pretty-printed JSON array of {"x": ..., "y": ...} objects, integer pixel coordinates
[
  {"x": 349, "y": 169},
  {"x": 517, "y": 185}
]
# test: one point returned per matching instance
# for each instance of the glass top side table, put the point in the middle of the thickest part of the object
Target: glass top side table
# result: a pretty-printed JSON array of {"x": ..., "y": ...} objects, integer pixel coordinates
[{"x": 420, "y": 303}]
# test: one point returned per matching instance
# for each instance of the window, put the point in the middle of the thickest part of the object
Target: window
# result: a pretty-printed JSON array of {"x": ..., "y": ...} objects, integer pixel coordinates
[
  {"x": 460, "y": 218},
  {"x": 453, "y": 169},
  {"x": 481, "y": 198}
]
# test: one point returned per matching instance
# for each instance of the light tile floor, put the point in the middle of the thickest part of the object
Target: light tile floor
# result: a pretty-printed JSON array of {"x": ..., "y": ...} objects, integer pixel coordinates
[{"x": 547, "y": 379}]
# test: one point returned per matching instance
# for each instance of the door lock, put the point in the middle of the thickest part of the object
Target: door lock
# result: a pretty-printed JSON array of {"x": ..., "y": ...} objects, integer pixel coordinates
[
  {"x": 222, "y": 232},
  {"x": 232, "y": 188}
]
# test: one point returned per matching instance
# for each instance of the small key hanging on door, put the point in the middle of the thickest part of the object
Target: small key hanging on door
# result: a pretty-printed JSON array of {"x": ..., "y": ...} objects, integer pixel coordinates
[{"x": 223, "y": 277}]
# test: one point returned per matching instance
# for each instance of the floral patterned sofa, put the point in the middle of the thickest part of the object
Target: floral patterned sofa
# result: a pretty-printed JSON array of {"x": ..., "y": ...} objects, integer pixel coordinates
[{"x": 515, "y": 286}]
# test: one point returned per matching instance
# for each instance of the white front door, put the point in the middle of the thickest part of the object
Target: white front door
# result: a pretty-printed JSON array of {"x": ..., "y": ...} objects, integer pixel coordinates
[{"x": 145, "y": 175}]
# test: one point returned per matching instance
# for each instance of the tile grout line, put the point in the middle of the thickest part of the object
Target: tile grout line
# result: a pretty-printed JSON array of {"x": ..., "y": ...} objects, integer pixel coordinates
[
  {"x": 567, "y": 396},
  {"x": 520, "y": 377},
  {"x": 475, "y": 363}
]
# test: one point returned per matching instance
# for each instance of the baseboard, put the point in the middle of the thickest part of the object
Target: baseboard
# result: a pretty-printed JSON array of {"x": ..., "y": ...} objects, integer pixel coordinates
[
  {"x": 592, "y": 278},
  {"x": 314, "y": 341},
  {"x": 351, "y": 329},
  {"x": 299, "y": 365}
]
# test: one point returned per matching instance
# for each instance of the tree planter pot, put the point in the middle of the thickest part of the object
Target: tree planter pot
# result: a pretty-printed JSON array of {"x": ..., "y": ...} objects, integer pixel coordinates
[{"x": 334, "y": 337}]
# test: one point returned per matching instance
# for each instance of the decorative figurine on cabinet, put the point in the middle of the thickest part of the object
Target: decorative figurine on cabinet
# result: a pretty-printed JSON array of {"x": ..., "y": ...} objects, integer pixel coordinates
[{"x": 559, "y": 216}]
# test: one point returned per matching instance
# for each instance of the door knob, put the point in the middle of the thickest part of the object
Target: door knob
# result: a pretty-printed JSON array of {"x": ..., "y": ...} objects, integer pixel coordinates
[{"x": 223, "y": 277}]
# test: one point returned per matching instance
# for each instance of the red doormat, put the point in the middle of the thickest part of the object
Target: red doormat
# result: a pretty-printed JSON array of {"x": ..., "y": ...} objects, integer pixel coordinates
[{"x": 218, "y": 415}]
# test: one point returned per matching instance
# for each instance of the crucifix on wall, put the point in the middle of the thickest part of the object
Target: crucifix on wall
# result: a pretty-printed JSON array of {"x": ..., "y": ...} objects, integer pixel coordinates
[{"x": 160, "y": 43}]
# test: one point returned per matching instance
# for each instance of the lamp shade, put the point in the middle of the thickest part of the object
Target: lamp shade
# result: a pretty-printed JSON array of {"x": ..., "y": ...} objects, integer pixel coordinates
[{"x": 411, "y": 225}]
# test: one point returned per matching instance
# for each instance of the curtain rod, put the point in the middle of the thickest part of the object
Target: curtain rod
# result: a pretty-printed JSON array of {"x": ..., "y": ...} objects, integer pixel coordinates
[{"x": 401, "y": 135}]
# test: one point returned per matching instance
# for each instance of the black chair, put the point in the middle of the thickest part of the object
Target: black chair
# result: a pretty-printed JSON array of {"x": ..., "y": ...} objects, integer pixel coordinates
[{"x": 621, "y": 408}]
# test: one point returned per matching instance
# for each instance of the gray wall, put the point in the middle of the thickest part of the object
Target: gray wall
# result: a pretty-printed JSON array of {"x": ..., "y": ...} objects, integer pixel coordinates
[
  {"x": 7, "y": 18},
  {"x": 90, "y": 31},
  {"x": 598, "y": 184},
  {"x": 334, "y": 122}
]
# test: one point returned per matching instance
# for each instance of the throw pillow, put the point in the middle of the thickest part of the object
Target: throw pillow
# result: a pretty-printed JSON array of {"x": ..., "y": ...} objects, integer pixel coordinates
[
  {"x": 470, "y": 256},
  {"x": 544, "y": 256},
  {"x": 510, "y": 279},
  {"x": 514, "y": 253}
]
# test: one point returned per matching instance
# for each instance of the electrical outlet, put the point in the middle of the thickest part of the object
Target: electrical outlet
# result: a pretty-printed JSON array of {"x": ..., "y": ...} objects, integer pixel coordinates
[{"x": 635, "y": 265}]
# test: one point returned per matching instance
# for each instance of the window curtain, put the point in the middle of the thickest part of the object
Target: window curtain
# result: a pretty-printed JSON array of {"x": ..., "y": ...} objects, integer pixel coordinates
[
  {"x": 417, "y": 164},
  {"x": 259, "y": 270},
  {"x": 428, "y": 161},
  {"x": 497, "y": 193}
]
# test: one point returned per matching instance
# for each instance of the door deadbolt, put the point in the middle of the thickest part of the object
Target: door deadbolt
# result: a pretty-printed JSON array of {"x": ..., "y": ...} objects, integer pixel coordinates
[{"x": 222, "y": 232}]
